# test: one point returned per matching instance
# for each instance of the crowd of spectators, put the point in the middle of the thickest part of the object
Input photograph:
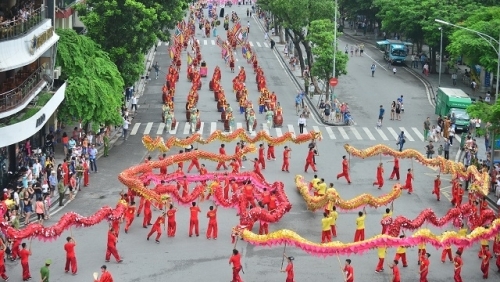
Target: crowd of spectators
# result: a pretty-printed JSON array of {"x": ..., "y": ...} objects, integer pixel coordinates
[{"x": 20, "y": 12}]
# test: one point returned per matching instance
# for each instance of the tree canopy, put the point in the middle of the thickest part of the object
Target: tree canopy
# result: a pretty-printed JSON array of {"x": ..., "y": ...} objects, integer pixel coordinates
[
  {"x": 126, "y": 29},
  {"x": 476, "y": 49},
  {"x": 94, "y": 91}
]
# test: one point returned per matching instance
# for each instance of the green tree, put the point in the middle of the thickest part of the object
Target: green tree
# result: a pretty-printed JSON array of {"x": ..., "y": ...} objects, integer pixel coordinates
[
  {"x": 126, "y": 29},
  {"x": 475, "y": 49},
  {"x": 488, "y": 113},
  {"x": 321, "y": 35},
  {"x": 94, "y": 91}
]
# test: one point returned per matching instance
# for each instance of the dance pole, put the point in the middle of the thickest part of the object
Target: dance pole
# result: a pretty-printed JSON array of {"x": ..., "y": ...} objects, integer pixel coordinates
[
  {"x": 349, "y": 162},
  {"x": 341, "y": 269},
  {"x": 283, "y": 259}
]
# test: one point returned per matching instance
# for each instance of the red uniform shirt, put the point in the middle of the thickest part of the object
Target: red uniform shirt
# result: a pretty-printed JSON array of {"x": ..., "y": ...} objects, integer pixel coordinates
[
  {"x": 24, "y": 254},
  {"x": 457, "y": 261},
  {"x": 424, "y": 263},
  {"x": 286, "y": 154},
  {"x": 2, "y": 254},
  {"x": 310, "y": 156},
  {"x": 237, "y": 149},
  {"x": 212, "y": 216},
  {"x": 248, "y": 191},
  {"x": 171, "y": 215},
  {"x": 106, "y": 277},
  {"x": 70, "y": 249},
  {"x": 272, "y": 203},
  {"x": 235, "y": 260},
  {"x": 256, "y": 166},
  {"x": 349, "y": 273},
  {"x": 261, "y": 152},
  {"x": 396, "y": 162},
  {"x": 289, "y": 271},
  {"x": 486, "y": 258},
  {"x": 111, "y": 239},
  {"x": 345, "y": 165},
  {"x": 130, "y": 212},
  {"x": 266, "y": 197},
  {"x": 159, "y": 221},
  {"x": 194, "y": 212},
  {"x": 222, "y": 151},
  {"x": 203, "y": 171}
]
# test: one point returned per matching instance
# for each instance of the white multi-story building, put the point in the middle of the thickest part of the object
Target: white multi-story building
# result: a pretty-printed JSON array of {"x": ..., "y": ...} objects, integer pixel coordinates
[{"x": 30, "y": 92}]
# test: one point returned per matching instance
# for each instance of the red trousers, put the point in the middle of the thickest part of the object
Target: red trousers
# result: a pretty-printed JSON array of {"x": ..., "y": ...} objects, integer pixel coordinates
[
  {"x": 395, "y": 172},
  {"x": 15, "y": 251},
  {"x": 147, "y": 218},
  {"x": 128, "y": 222},
  {"x": 421, "y": 252},
  {"x": 270, "y": 154},
  {"x": 409, "y": 187},
  {"x": 111, "y": 250},
  {"x": 384, "y": 229},
  {"x": 262, "y": 162},
  {"x": 485, "y": 269},
  {"x": 263, "y": 228},
  {"x": 86, "y": 178},
  {"x": 423, "y": 276},
  {"x": 157, "y": 229},
  {"x": 334, "y": 230},
  {"x": 26, "y": 270},
  {"x": 326, "y": 236},
  {"x": 2, "y": 272},
  {"x": 457, "y": 277},
  {"x": 286, "y": 165},
  {"x": 458, "y": 202},
  {"x": 359, "y": 235},
  {"x": 481, "y": 250},
  {"x": 141, "y": 205},
  {"x": 171, "y": 228},
  {"x": 251, "y": 201},
  {"x": 309, "y": 164},
  {"x": 259, "y": 173},
  {"x": 236, "y": 274},
  {"x": 402, "y": 257},
  {"x": 212, "y": 230},
  {"x": 437, "y": 192},
  {"x": 444, "y": 253},
  {"x": 193, "y": 224},
  {"x": 344, "y": 174},
  {"x": 379, "y": 182},
  {"x": 498, "y": 263},
  {"x": 380, "y": 265},
  {"x": 193, "y": 164},
  {"x": 221, "y": 164},
  {"x": 71, "y": 263}
]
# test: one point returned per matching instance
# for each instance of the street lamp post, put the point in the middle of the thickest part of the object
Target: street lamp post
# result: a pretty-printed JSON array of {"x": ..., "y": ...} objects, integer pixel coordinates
[
  {"x": 334, "y": 48},
  {"x": 440, "y": 56},
  {"x": 490, "y": 41}
]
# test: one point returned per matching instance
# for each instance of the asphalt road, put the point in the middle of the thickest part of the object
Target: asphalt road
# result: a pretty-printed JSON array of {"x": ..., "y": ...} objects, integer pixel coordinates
[{"x": 197, "y": 259}]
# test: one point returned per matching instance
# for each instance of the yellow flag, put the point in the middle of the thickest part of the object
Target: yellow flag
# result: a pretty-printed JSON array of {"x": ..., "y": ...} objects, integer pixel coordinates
[{"x": 189, "y": 59}]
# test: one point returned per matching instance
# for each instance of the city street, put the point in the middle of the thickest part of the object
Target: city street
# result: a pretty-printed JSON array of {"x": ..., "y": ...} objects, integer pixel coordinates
[{"x": 197, "y": 259}]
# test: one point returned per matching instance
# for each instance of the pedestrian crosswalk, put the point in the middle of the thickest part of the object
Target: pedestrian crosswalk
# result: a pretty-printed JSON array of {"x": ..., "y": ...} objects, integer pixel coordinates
[
  {"x": 354, "y": 133},
  {"x": 251, "y": 43}
]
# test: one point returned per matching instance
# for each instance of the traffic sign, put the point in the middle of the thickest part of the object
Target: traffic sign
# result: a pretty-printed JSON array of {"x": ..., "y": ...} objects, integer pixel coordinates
[{"x": 334, "y": 81}]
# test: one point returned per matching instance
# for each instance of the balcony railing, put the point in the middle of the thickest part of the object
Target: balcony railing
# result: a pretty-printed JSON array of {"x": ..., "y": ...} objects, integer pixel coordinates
[
  {"x": 12, "y": 98},
  {"x": 19, "y": 27},
  {"x": 64, "y": 4}
]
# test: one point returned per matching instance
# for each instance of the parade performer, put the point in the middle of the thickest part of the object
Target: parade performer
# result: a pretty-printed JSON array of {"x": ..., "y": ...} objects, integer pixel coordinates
[
  {"x": 194, "y": 163},
  {"x": 270, "y": 152},
  {"x": 69, "y": 247},
  {"x": 263, "y": 226},
  {"x": 171, "y": 223},
  {"x": 381, "y": 252},
  {"x": 163, "y": 169},
  {"x": 345, "y": 170},
  {"x": 235, "y": 260},
  {"x": 212, "y": 229},
  {"x": 424, "y": 267},
  {"x": 235, "y": 166},
  {"x": 237, "y": 149},
  {"x": 387, "y": 214},
  {"x": 105, "y": 276},
  {"x": 248, "y": 191},
  {"x": 157, "y": 227},
  {"x": 321, "y": 188},
  {"x": 484, "y": 244},
  {"x": 458, "y": 263},
  {"x": 401, "y": 253},
  {"x": 395, "y": 169},
  {"x": 256, "y": 168},
  {"x": 496, "y": 250},
  {"x": 310, "y": 160},
  {"x": 2, "y": 261},
  {"x": 15, "y": 249},
  {"x": 349, "y": 271},
  {"x": 485, "y": 262},
  {"x": 289, "y": 269},
  {"x": 262, "y": 159},
  {"x": 396, "y": 276},
  {"x": 147, "y": 214},
  {"x": 231, "y": 62},
  {"x": 409, "y": 181},
  {"x": 333, "y": 214},
  {"x": 421, "y": 252},
  {"x": 269, "y": 118},
  {"x": 360, "y": 226},
  {"x": 86, "y": 177},
  {"x": 262, "y": 103},
  {"x": 326, "y": 234},
  {"x": 194, "y": 210},
  {"x": 222, "y": 152},
  {"x": 111, "y": 246},
  {"x": 24, "y": 254},
  {"x": 459, "y": 196},
  {"x": 380, "y": 176},
  {"x": 437, "y": 188},
  {"x": 286, "y": 159},
  {"x": 314, "y": 183},
  {"x": 446, "y": 252},
  {"x": 454, "y": 188},
  {"x": 129, "y": 215},
  {"x": 272, "y": 202}
]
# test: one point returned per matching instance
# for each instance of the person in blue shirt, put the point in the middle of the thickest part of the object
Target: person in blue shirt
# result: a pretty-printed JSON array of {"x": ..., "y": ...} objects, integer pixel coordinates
[
  {"x": 299, "y": 101},
  {"x": 381, "y": 113},
  {"x": 401, "y": 140},
  {"x": 71, "y": 145}
]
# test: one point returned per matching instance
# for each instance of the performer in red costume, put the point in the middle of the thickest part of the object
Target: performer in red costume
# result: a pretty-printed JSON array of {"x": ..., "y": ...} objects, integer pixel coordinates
[
  {"x": 194, "y": 163},
  {"x": 235, "y": 260},
  {"x": 485, "y": 262},
  {"x": 105, "y": 276},
  {"x": 129, "y": 215},
  {"x": 458, "y": 263},
  {"x": 424, "y": 267},
  {"x": 437, "y": 187},
  {"x": 193, "y": 219},
  {"x": 222, "y": 152},
  {"x": 360, "y": 226},
  {"x": 180, "y": 165},
  {"x": 263, "y": 225},
  {"x": 171, "y": 222},
  {"x": 262, "y": 159},
  {"x": 2, "y": 262},
  {"x": 270, "y": 152},
  {"x": 380, "y": 176},
  {"x": 460, "y": 195},
  {"x": 249, "y": 194},
  {"x": 69, "y": 247},
  {"x": 212, "y": 229},
  {"x": 349, "y": 271},
  {"x": 147, "y": 214},
  {"x": 454, "y": 190},
  {"x": 409, "y": 181},
  {"x": 24, "y": 254},
  {"x": 256, "y": 168},
  {"x": 235, "y": 166},
  {"x": 345, "y": 170},
  {"x": 111, "y": 246},
  {"x": 286, "y": 159},
  {"x": 395, "y": 169},
  {"x": 237, "y": 149},
  {"x": 157, "y": 227},
  {"x": 163, "y": 169},
  {"x": 310, "y": 160}
]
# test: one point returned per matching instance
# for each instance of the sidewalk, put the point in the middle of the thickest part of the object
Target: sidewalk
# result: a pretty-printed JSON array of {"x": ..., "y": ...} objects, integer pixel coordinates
[
  {"x": 298, "y": 79},
  {"x": 432, "y": 81}
]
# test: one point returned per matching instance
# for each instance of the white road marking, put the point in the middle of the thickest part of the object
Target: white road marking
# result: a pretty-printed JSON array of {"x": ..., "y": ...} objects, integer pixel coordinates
[
  {"x": 212, "y": 41},
  {"x": 161, "y": 127},
  {"x": 202, "y": 124},
  {"x": 258, "y": 44},
  {"x": 239, "y": 125},
  {"x": 186, "y": 128},
  {"x": 265, "y": 44},
  {"x": 279, "y": 133},
  {"x": 316, "y": 128},
  {"x": 368, "y": 133},
  {"x": 205, "y": 42},
  {"x": 382, "y": 134},
  {"x": 213, "y": 127},
  {"x": 330, "y": 133},
  {"x": 407, "y": 134},
  {"x": 265, "y": 127},
  {"x": 148, "y": 128},
  {"x": 393, "y": 133},
  {"x": 251, "y": 44},
  {"x": 291, "y": 130},
  {"x": 135, "y": 128},
  {"x": 356, "y": 133},
  {"x": 173, "y": 131},
  {"x": 343, "y": 133},
  {"x": 417, "y": 132}
]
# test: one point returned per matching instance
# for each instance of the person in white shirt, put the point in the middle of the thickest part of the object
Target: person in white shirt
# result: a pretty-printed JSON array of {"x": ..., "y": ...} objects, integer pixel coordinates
[
  {"x": 302, "y": 123},
  {"x": 134, "y": 104},
  {"x": 15, "y": 196},
  {"x": 126, "y": 122},
  {"x": 37, "y": 169}
]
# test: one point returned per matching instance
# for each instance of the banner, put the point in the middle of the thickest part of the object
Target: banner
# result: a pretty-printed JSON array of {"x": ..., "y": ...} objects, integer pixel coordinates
[{"x": 236, "y": 28}]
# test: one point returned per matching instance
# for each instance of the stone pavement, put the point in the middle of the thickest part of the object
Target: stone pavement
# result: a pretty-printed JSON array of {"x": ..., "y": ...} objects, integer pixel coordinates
[{"x": 432, "y": 81}]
